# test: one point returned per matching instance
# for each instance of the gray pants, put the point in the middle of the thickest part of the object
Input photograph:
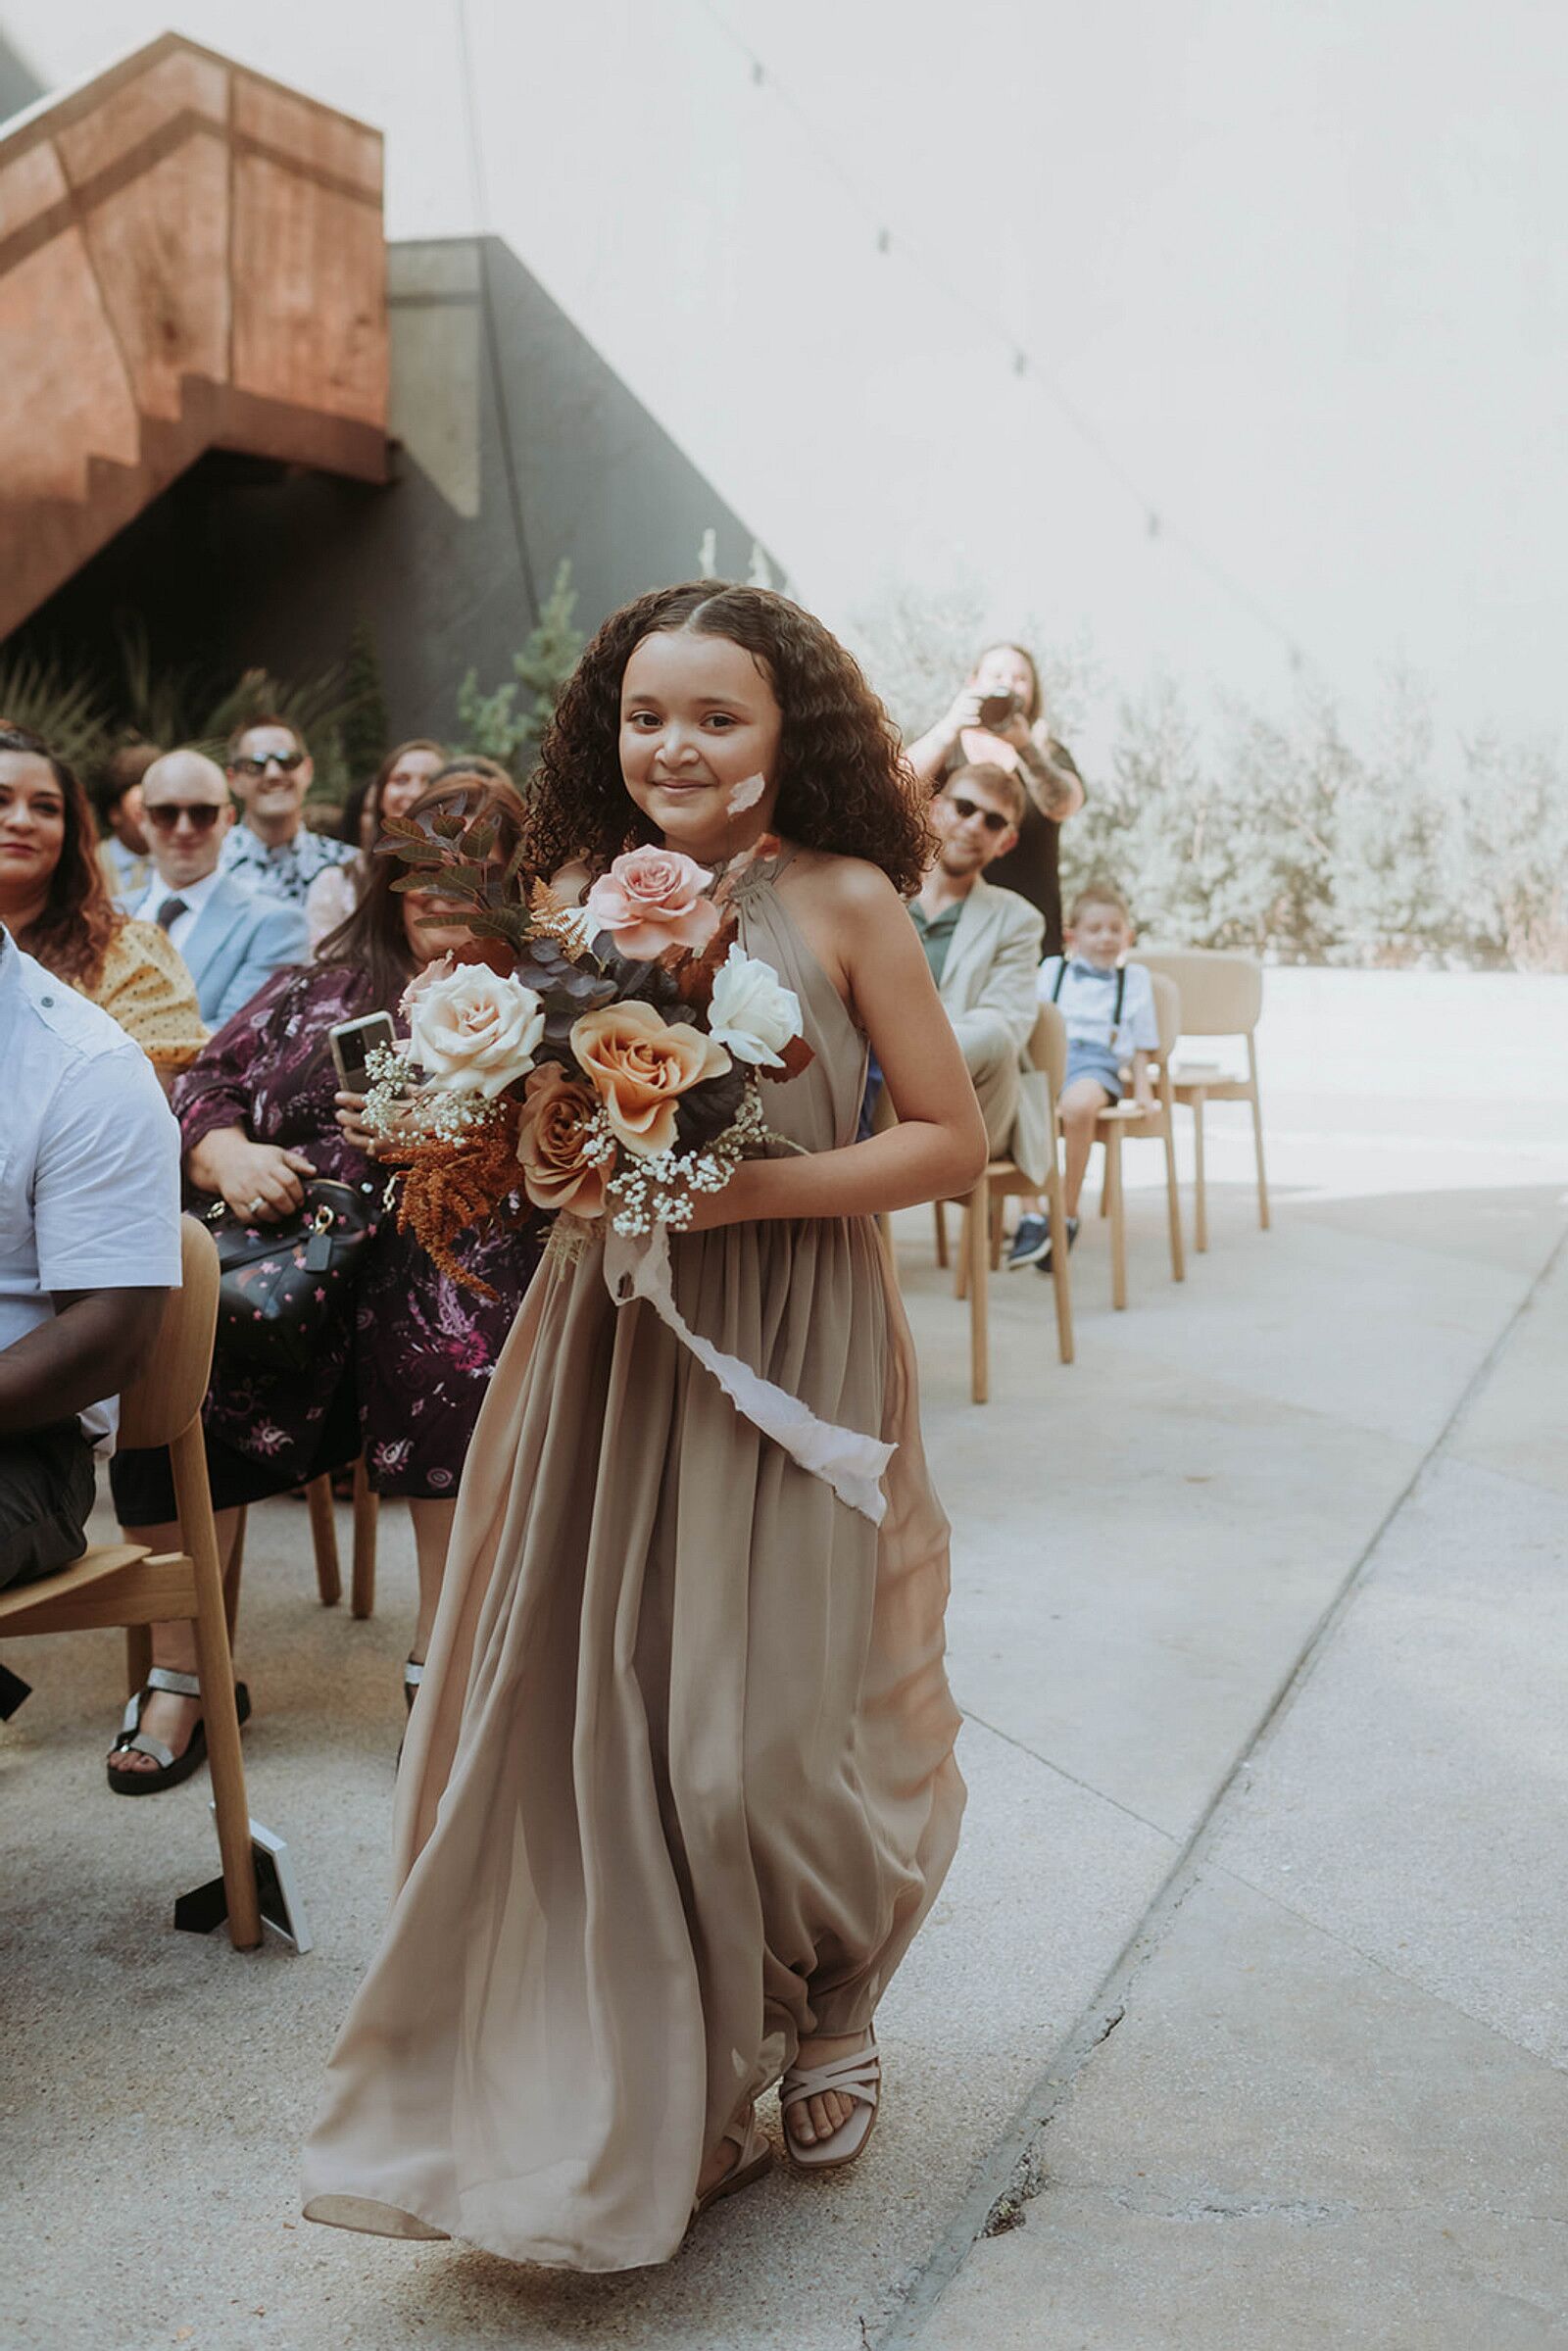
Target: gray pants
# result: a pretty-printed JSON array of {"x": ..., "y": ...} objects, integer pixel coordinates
[
  {"x": 46, "y": 1492},
  {"x": 992, "y": 1064}
]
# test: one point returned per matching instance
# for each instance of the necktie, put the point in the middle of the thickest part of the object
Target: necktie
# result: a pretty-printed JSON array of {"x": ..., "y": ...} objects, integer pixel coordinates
[{"x": 169, "y": 913}]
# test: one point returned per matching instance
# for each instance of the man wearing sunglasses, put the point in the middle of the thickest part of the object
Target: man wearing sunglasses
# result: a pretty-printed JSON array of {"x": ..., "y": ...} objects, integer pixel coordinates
[
  {"x": 983, "y": 946},
  {"x": 273, "y": 848},
  {"x": 229, "y": 935}
]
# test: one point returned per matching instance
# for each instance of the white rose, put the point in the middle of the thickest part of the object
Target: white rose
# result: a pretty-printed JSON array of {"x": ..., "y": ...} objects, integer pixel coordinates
[
  {"x": 475, "y": 1031},
  {"x": 751, "y": 1012}
]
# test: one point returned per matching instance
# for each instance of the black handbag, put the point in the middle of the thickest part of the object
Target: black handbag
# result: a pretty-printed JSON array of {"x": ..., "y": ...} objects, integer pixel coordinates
[{"x": 279, "y": 1285}]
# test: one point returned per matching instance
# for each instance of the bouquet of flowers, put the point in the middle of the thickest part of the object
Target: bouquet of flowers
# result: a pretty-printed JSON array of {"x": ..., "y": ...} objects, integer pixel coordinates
[{"x": 600, "y": 1064}]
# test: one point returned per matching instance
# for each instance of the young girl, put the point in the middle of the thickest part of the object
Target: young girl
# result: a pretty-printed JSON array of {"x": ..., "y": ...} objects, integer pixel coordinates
[{"x": 680, "y": 1787}]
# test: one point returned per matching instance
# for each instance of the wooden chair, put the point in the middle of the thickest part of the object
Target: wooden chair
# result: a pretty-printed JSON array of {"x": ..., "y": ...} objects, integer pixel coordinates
[
  {"x": 127, "y": 1586},
  {"x": 1222, "y": 996},
  {"x": 981, "y": 1248},
  {"x": 1123, "y": 1122},
  {"x": 323, "y": 1541}
]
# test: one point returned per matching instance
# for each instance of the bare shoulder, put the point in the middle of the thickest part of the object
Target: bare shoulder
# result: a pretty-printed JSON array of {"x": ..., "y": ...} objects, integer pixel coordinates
[{"x": 851, "y": 888}]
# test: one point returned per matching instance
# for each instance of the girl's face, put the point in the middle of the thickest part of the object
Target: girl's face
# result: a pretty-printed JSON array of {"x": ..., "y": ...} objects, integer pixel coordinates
[
  {"x": 32, "y": 827},
  {"x": 700, "y": 724},
  {"x": 405, "y": 782}
]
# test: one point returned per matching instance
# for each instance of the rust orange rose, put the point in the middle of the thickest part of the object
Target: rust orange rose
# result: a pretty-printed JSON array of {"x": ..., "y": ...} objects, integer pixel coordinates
[
  {"x": 549, "y": 1141},
  {"x": 640, "y": 1064}
]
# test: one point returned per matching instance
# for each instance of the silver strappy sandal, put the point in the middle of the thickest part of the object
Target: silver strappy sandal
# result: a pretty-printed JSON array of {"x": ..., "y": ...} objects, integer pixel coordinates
[
  {"x": 171, "y": 1768},
  {"x": 858, "y": 2074}
]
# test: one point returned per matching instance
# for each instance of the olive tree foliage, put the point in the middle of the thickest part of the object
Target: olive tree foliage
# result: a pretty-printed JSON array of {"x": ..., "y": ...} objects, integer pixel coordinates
[{"x": 1285, "y": 832}]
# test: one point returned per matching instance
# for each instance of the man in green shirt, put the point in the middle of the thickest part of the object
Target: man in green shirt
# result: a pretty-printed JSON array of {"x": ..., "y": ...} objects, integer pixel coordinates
[{"x": 983, "y": 946}]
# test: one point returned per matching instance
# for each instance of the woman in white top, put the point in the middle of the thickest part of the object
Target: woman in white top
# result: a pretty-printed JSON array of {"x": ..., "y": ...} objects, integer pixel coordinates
[{"x": 392, "y": 791}]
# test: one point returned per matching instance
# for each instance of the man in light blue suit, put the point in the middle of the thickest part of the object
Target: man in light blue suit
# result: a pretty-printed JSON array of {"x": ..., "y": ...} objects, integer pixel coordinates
[{"x": 230, "y": 937}]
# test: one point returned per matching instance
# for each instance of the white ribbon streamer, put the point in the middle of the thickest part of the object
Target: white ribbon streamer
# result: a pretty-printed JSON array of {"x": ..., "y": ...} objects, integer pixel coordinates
[{"x": 852, "y": 1464}]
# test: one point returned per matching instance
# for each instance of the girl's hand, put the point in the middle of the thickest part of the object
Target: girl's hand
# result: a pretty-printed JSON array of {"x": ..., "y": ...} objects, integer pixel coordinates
[
  {"x": 261, "y": 1182},
  {"x": 350, "y": 1116}
]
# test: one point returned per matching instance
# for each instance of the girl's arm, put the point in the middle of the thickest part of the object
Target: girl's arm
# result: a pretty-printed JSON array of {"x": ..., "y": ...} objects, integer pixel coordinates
[{"x": 938, "y": 1147}]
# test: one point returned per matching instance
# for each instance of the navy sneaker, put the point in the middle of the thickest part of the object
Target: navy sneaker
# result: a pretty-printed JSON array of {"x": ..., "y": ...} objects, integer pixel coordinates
[
  {"x": 1030, "y": 1243},
  {"x": 1044, "y": 1258}
]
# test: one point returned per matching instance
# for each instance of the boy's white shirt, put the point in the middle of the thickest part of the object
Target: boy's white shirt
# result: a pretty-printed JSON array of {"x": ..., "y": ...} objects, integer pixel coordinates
[{"x": 1086, "y": 1005}]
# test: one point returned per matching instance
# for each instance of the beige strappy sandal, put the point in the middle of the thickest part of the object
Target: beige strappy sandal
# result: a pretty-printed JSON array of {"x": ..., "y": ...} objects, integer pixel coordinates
[
  {"x": 755, "y": 2156},
  {"x": 858, "y": 2076}
]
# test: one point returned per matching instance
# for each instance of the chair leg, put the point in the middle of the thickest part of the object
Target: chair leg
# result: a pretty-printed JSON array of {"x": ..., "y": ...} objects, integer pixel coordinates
[
  {"x": 996, "y": 1206},
  {"x": 940, "y": 1212},
  {"x": 138, "y": 1656},
  {"x": 1115, "y": 1207},
  {"x": 366, "y": 1509},
  {"x": 215, "y": 1667},
  {"x": 1257, "y": 1134},
  {"x": 1060, "y": 1277},
  {"x": 961, "y": 1260},
  {"x": 324, "y": 1535},
  {"x": 1199, "y": 1189},
  {"x": 977, "y": 1236},
  {"x": 1173, "y": 1200},
  {"x": 232, "y": 1575}
]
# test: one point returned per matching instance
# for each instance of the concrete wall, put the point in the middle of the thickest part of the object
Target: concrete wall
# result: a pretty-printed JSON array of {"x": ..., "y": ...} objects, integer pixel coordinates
[{"x": 519, "y": 447}]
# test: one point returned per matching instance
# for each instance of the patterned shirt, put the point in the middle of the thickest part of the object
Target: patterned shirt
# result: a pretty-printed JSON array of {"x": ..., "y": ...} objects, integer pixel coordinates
[{"x": 285, "y": 871}]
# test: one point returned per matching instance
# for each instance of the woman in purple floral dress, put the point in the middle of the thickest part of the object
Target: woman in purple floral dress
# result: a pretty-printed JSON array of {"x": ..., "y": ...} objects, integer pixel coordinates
[{"x": 401, "y": 1372}]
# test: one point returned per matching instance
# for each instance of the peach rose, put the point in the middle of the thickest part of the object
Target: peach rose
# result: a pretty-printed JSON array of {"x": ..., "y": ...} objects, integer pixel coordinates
[
  {"x": 550, "y": 1140},
  {"x": 652, "y": 898},
  {"x": 640, "y": 1064}
]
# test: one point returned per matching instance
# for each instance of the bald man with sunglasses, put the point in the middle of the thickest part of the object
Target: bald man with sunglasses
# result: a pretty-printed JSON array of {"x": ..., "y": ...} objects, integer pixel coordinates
[
  {"x": 984, "y": 946},
  {"x": 231, "y": 937},
  {"x": 273, "y": 848}
]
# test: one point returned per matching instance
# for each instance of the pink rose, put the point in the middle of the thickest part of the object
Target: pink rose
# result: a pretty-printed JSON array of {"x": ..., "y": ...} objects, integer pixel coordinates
[{"x": 652, "y": 898}]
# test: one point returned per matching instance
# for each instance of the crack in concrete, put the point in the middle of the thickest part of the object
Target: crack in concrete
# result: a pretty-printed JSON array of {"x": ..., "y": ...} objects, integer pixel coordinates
[
  {"x": 1060, "y": 1771},
  {"x": 1058, "y": 2081}
]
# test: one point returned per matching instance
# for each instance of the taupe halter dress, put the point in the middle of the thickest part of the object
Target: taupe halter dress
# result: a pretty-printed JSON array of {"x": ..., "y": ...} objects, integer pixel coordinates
[{"x": 679, "y": 1786}]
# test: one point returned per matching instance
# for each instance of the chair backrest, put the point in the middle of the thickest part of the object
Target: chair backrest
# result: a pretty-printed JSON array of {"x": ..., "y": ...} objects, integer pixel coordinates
[
  {"x": 155, "y": 1408},
  {"x": 1221, "y": 991},
  {"x": 1047, "y": 1045},
  {"x": 1169, "y": 1011}
]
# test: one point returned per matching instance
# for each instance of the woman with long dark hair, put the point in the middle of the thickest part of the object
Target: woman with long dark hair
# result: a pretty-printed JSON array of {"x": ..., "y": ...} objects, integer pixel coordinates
[
  {"x": 55, "y": 902},
  {"x": 680, "y": 1787},
  {"x": 408, "y": 770},
  {"x": 400, "y": 1371}
]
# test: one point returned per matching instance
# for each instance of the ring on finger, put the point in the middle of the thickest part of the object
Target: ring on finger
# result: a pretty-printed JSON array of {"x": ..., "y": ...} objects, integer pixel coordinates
[{"x": 256, "y": 1207}]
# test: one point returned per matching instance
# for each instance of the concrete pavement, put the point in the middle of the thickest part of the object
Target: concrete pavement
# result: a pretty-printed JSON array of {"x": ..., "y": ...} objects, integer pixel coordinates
[{"x": 1305, "y": 1510}]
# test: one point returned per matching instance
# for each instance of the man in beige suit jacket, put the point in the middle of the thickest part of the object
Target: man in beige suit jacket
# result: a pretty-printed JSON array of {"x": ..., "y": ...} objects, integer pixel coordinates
[{"x": 983, "y": 946}]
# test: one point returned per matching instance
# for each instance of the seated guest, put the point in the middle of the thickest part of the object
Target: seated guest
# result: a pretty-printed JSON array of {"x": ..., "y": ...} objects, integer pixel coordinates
[
  {"x": 56, "y": 904},
  {"x": 89, "y": 1246},
  {"x": 274, "y": 850},
  {"x": 1109, "y": 1006},
  {"x": 124, "y": 853},
  {"x": 229, "y": 938},
  {"x": 400, "y": 1371},
  {"x": 983, "y": 947},
  {"x": 392, "y": 791}
]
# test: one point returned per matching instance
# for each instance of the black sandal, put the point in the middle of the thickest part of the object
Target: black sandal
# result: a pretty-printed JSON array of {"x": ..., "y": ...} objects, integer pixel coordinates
[{"x": 171, "y": 1768}]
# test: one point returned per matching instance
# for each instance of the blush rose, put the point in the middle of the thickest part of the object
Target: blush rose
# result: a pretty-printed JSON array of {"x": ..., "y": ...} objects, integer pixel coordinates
[
  {"x": 652, "y": 898},
  {"x": 640, "y": 1064},
  {"x": 551, "y": 1135}
]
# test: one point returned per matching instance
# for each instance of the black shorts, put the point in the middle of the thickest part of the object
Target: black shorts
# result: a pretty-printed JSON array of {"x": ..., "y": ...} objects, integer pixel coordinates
[
  {"x": 143, "y": 1485},
  {"x": 47, "y": 1484}
]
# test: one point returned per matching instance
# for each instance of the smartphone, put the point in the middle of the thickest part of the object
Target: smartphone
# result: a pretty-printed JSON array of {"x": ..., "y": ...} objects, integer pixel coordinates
[{"x": 353, "y": 1042}]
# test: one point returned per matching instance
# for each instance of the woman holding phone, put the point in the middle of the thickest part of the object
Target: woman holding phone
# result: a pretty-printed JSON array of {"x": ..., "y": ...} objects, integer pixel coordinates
[
  {"x": 998, "y": 718},
  {"x": 402, "y": 1366}
]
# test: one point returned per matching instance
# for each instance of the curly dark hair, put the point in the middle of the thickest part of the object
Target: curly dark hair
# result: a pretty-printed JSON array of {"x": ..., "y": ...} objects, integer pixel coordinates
[
  {"x": 78, "y": 923},
  {"x": 842, "y": 784}
]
